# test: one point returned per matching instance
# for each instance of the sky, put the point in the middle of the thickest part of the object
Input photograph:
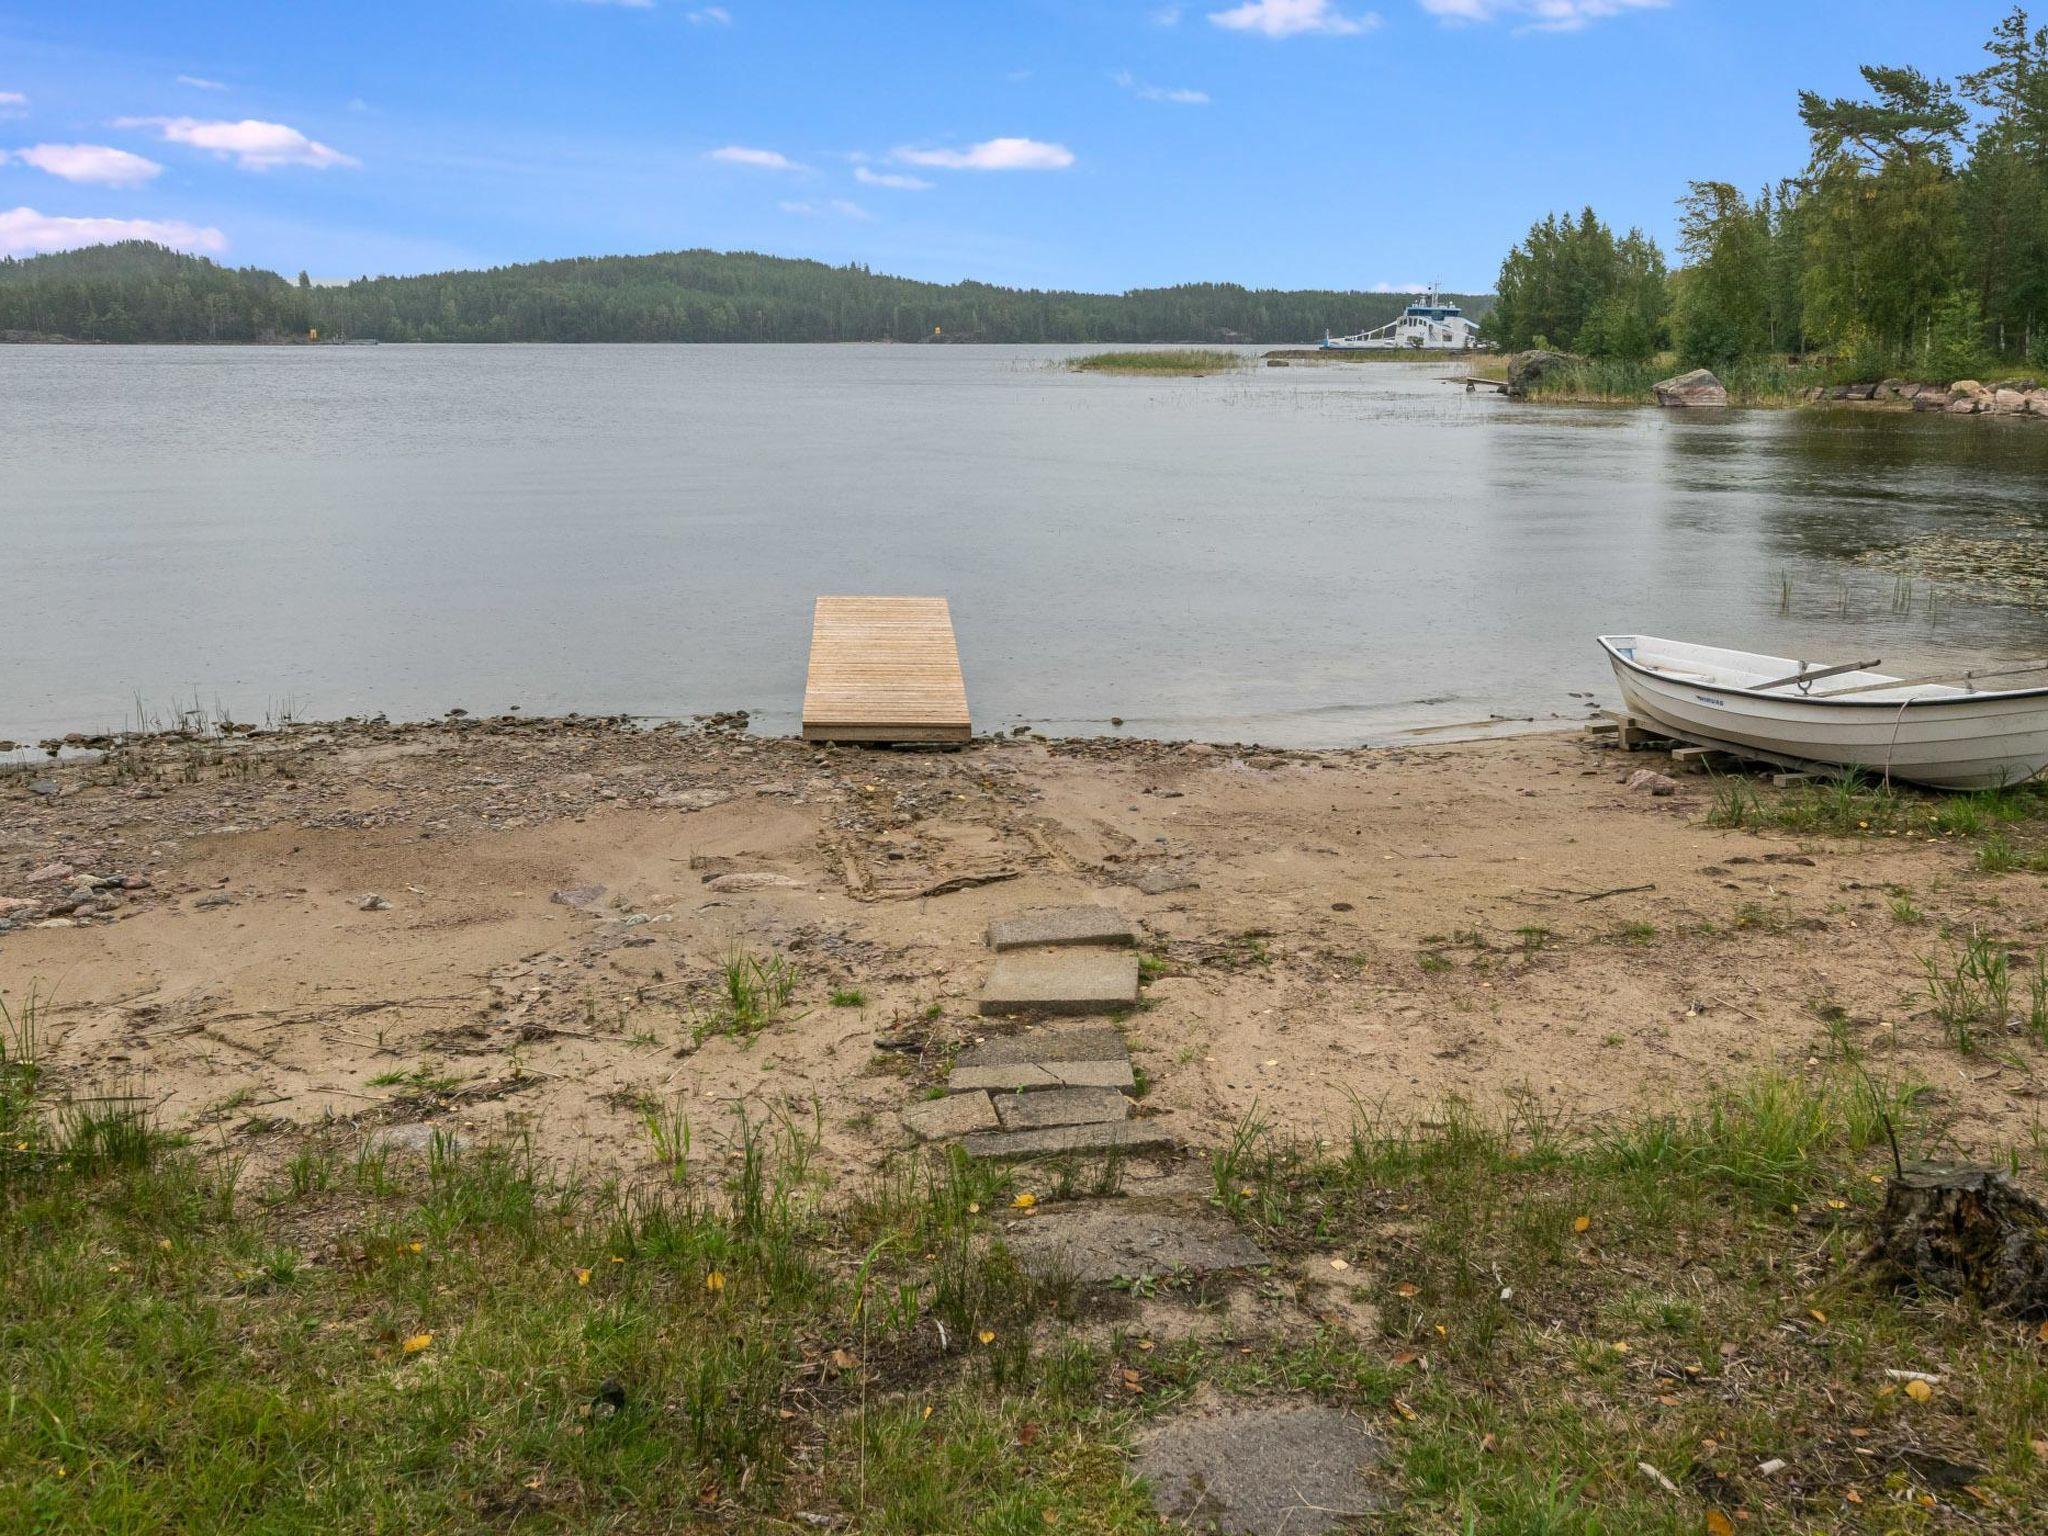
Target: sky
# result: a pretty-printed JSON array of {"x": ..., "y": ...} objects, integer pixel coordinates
[{"x": 1092, "y": 144}]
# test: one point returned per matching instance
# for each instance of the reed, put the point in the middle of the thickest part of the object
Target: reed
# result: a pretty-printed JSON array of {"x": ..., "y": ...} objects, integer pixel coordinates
[{"x": 1185, "y": 363}]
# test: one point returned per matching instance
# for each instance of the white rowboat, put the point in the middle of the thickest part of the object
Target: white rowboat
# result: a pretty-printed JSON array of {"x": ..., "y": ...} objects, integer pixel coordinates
[{"x": 1947, "y": 734}]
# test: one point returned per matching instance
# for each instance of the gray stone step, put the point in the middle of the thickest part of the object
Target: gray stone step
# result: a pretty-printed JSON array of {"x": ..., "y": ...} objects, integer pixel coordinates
[
  {"x": 1087, "y": 1042},
  {"x": 1061, "y": 1106},
  {"x": 1112, "y": 1239},
  {"x": 1262, "y": 1469},
  {"x": 1061, "y": 925},
  {"x": 1105, "y": 1136},
  {"x": 1029, "y": 1076},
  {"x": 1061, "y": 981},
  {"x": 955, "y": 1115}
]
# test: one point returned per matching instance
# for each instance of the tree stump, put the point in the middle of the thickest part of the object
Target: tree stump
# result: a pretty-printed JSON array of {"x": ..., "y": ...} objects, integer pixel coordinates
[{"x": 1965, "y": 1232}]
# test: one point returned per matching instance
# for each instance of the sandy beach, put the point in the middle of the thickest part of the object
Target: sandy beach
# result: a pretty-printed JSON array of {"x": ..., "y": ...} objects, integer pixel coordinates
[{"x": 518, "y": 926}]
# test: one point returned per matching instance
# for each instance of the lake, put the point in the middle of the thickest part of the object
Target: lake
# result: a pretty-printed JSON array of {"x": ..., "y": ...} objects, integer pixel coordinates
[{"x": 1299, "y": 556}]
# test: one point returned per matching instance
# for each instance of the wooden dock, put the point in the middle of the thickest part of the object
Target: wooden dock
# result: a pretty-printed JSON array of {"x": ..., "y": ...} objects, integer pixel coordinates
[{"x": 884, "y": 669}]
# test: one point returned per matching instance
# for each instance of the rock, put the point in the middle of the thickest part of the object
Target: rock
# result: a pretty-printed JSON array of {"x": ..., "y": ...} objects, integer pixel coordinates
[
  {"x": 1858, "y": 391},
  {"x": 44, "y": 787},
  {"x": 1964, "y": 405},
  {"x": 957, "y": 1114},
  {"x": 1646, "y": 779},
  {"x": 1969, "y": 387},
  {"x": 1931, "y": 399},
  {"x": 1161, "y": 879},
  {"x": 1127, "y": 1240},
  {"x": 1698, "y": 387},
  {"x": 1891, "y": 389},
  {"x": 1061, "y": 981},
  {"x": 50, "y": 872},
  {"x": 691, "y": 799},
  {"x": 757, "y": 880},
  {"x": 1060, "y": 1106},
  {"x": 213, "y": 899},
  {"x": 1197, "y": 749},
  {"x": 1526, "y": 368},
  {"x": 1055, "y": 1141},
  {"x": 373, "y": 903},
  {"x": 2010, "y": 402},
  {"x": 1274, "y": 1469},
  {"x": 2037, "y": 402},
  {"x": 10, "y": 905},
  {"x": 1061, "y": 925},
  {"x": 577, "y": 896}
]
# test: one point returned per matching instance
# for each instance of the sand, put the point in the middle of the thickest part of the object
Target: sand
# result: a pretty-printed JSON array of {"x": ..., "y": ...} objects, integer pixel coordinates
[{"x": 1386, "y": 928}]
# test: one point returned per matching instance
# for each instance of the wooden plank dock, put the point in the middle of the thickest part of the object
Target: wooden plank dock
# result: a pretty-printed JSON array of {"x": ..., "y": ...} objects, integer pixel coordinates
[{"x": 884, "y": 669}]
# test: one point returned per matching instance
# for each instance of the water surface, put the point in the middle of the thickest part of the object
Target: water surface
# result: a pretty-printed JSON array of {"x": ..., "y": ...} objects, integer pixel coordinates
[{"x": 1307, "y": 555}]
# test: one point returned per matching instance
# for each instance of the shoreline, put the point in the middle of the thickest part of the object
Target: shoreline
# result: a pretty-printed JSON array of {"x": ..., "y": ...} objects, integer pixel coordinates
[{"x": 532, "y": 917}]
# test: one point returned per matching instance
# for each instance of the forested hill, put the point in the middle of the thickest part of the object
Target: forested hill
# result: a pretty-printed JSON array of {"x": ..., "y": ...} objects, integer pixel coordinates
[{"x": 136, "y": 292}]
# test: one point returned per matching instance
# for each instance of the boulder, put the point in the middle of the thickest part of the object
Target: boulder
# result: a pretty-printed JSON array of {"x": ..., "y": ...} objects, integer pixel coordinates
[
  {"x": 1525, "y": 368},
  {"x": 2009, "y": 402},
  {"x": 1931, "y": 398},
  {"x": 1964, "y": 405},
  {"x": 2037, "y": 402},
  {"x": 1969, "y": 387},
  {"x": 1698, "y": 387},
  {"x": 1891, "y": 389},
  {"x": 1861, "y": 392}
]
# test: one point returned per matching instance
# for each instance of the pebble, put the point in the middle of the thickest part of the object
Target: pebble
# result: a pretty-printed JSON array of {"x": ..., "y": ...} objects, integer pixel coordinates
[
  {"x": 43, "y": 787},
  {"x": 1656, "y": 783},
  {"x": 373, "y": 903},
  {"x": 50, "y": 872}
]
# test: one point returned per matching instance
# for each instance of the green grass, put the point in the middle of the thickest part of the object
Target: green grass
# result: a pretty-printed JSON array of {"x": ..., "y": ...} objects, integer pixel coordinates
[
  {"x": 849, "y": 997},
  {"x": 470, "y": 1341},
  {"x": 1613, "y": 381},
  {"x": 754, "y": 991},
  {"x": 1184, "y": 363},
  {"x": 1856, "y": 805}
]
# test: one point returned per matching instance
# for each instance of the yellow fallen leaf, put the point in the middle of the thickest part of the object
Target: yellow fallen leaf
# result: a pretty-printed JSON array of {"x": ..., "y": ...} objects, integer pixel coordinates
[
  {"x": 1339, "y": 1265},
  {"x": 1025, "y": 1201},
  {"x": 1919, "y": 1391},
  {"x": 974, "y": 1207},
  {"x": 2043, "y": 1334},
  {"x": 416, "y": 1343},
  {"x": 1838, "y": 1205},
  {"x": 714, "y": 1281},
  {"x": 927, "y": 1411},
  {"x": 1719, "y": 1524},
  {"x": 1247, "y": 1191},
  {"x": 1580, "y": 1223},
  {"x": 1816, "y": 1314},
  {"x": 1621, "y": 1346},
  {"x": 583, "y": 1277},
  {"x": 164, "y": 1243},
  {"x": 987, "y": 1335},
  {"x": 1407, "y": 1288}
]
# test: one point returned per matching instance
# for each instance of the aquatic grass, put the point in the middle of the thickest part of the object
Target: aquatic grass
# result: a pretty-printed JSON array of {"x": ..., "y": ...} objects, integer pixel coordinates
[{"x": 1181, "y": 363}]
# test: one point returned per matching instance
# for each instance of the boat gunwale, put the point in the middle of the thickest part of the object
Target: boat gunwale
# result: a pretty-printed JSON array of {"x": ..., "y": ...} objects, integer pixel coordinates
[{"x": 1775, "y": 696}]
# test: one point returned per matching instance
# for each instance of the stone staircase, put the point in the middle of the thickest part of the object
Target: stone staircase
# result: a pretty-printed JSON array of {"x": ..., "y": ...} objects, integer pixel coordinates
[{"x": 1049, "y": 1089}]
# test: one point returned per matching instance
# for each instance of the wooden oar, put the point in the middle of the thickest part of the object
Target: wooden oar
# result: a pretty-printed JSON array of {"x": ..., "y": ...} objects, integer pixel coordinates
[
  {"x": 1820, "y": 672},
  {"x": 1939, "y": 677}
]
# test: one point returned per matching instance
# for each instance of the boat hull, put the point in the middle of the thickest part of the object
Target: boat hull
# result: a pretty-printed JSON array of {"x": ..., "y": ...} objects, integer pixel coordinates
[{"x": 1981, "y": 742}]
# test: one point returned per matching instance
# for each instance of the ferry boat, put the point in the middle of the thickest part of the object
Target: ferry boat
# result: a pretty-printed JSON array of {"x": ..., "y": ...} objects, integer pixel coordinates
[{"x": 1427, "y": 324}]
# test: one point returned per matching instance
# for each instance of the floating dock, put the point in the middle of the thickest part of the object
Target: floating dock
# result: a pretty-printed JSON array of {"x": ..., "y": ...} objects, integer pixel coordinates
[{"x": 885, "y": 669}]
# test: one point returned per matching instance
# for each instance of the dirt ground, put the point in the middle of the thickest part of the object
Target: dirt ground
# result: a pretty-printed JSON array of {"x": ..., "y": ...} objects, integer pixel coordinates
[{"x": 1375, "y": 929}]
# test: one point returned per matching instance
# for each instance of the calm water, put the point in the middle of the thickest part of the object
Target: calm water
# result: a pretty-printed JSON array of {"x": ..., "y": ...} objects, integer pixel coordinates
[{"x": 1300, "y": 555}]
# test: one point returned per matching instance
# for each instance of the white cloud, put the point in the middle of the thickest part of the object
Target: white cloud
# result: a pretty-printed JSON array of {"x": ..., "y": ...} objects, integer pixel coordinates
[
  {"x": 1165, "y": 16},
  {"x": 993, "y": 155},
  {"x": 711, "y": 16},
  {"x": 25, "y": 232},
  {"x": 94, "y": 163},
  {"x": 252, "y": 145},
  {"x": 1146, "y": 91},
  {"x": 1536, "y": 15},
  {"x": 843, "y": 207},
  {"x": 201, "y": 83},
  {"x": 1292, "y": 18},
  {"x": 13, "y": 104},
  {"x": 759, "y": 159},
  {"x": 893, "y": 179},
  {"x": 1400, "y": 287}
]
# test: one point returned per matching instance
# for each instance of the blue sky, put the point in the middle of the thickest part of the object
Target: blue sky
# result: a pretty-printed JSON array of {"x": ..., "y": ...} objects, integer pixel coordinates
[{"x": 1103, "y": 145}]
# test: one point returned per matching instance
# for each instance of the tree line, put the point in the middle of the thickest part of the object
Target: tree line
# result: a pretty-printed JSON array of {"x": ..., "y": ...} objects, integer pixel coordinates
[
  {"x": 1914, "y": 240},
  {"x": 135, "y": 292}
]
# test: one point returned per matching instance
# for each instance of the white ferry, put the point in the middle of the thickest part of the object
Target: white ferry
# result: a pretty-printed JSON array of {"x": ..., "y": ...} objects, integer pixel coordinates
[{"x": 1428, "y": 323}]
